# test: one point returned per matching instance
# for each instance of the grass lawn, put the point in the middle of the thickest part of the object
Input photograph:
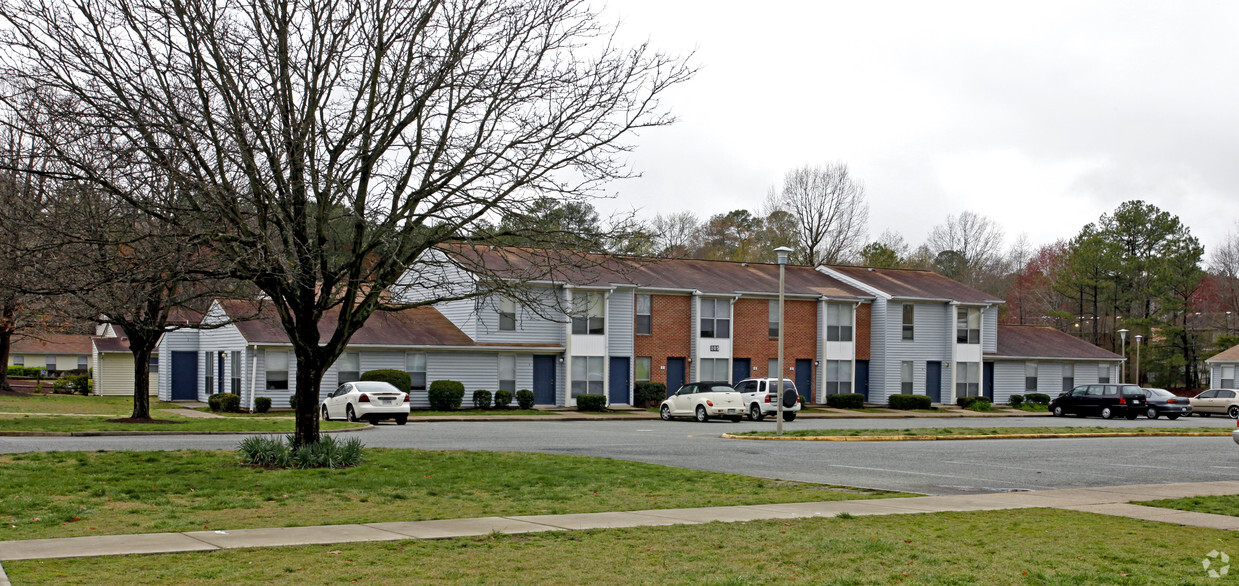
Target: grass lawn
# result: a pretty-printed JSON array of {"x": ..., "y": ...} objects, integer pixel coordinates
[
  {"x": 964, "y": 431},
  {"x": 69, "y": 494},
  {"x": 285, "y": 413},
  {"x": 120, "y": 406},
  {"x": 52, "y": 423},
  {"x": 1035, "y": 546},
  {"x": 1030, "y": 407},
  {"x": 1217, "y": 505}
]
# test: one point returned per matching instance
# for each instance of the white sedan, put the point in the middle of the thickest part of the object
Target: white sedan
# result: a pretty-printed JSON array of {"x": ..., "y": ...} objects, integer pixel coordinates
[
  {"x": 370, "y": 400},
  {"x": 702, "y": 401}
]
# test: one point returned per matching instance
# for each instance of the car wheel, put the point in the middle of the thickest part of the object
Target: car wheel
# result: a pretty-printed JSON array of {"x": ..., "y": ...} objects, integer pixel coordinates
[
  {"x": 665, "y": 413},
  {"x": 325, "y": 417},
  {"x": 1107, "y": 413},
  {"x": 1151, "y": 413},
  {"x": 350, "y": 414},
  {"x": 402, "y": 419},
  {"x": 1172, "y": 417},
  {"x": 1058, "y": 411},
  {"x": 373, "y": 420},
  {"x": 755, "y": 413},
  {"x": 1233, "y": 412},
  {"x": 702, "y": 417},
  {"x": 789, "y": 416}
]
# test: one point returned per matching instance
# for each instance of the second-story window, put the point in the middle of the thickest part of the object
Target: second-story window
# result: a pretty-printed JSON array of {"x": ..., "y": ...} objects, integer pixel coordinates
[
  {"x": 838, "y": 322},
  {"x": 968, "y": 325},
  {"x": 909, "y": 317},
  {"x": 587, "y": 313},
  {"x": 715, "y": 318},
  {"x": 507, "y": 314},
  {"x": 645, "y": 323}
]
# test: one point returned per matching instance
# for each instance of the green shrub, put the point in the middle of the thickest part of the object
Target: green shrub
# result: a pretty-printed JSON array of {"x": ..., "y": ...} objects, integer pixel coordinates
[
  {"x": 481, "y": 399},
  {"x": 276, "y": 452},
  {"x": 396, "y": 378},
  {"x": 1016, "y": 400},
  {"x": 30, "y": 371},
  {"x": 81, "y": 383},
  {"x": 62, "y": 386},
  {"x": 1037, "y": 398},
  {"x": 649, "y": 394},
  {"x": 215, "y": 403},
  {"x": 446, "y": 395},
  {"x": 229, "y": 402},
  {"x": 292, "y": 401},
  {"x": 524, "y": 399},
  {"x": 982, "y": 404},
  {"x": 907, "y": 402},
  {"x": 262, "y": 404},
  {"x": 846, "y": 401},
  {"x": 967, "y": 402},
  {"x": 591, "y": 402},
  {"x": 503, "y": 399}
]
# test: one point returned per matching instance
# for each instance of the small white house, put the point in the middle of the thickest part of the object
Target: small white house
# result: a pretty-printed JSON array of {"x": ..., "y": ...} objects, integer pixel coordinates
[{"x": 1222, "y": 368}]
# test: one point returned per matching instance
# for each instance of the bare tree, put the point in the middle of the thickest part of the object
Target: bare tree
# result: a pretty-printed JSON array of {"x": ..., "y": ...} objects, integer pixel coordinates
[
  {"x": 976, "y": 239},
  {"x": 831, "y": 213},
  {"x": 324, "y": 146},
  {"x": 675, "y": 234},
  {"x": 1224, "y": 264}
]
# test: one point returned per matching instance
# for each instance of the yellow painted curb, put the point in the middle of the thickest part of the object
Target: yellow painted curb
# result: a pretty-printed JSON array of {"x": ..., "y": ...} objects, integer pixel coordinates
[{"x": 917, "y": 438}]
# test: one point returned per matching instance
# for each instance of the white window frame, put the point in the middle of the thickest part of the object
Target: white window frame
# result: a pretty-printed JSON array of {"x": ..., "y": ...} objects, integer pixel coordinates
[
  {"x": 838, "y": 376},
  {"x": 1030, "y": 377},
  {"x": 908, "y": 321},
  {"x": 415, "y": 364},
  {"x": 773, "y": 318},
  {"x": 1226, "y": 378},
  {"x": 637, "y": 368},
  {"x": 274, "y": 384},
  {"x": 236, "y": 368},
  {"x": 1069, "y": 376},
  {"x": 710, "y": 368},
  {"x": 968, "y": 325},
  {"x": 212, "y": 387},
  {"x": 586, "y": 375},
  {"x": 906, "y": 370},
  {"x": 19, "y": 360},
  {"x": 1103, "y": 373},
  {"x": 969, "y": 383},
  {"x": 772, "y": 367},
  {"x": 507, "y": 314},
  {"x": 587, "y": 309},
  {"x": 347, "y": 360},
  {"x": 49, "y": 362},
  {"x": 838, "y": 322},
  {"x": 644, "y": 309},
  {"x": 715, "y": 320},
  {"x": 507, "y": 372}
]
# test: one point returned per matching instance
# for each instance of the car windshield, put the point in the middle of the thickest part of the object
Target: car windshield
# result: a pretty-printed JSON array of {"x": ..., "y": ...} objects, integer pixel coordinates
[
  {"x": 1131, "y": 390},
  {"x": 375, "y": 387}
]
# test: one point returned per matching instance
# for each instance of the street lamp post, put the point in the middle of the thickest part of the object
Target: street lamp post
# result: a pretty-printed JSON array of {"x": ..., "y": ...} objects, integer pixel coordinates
[
  {"x": 1123, "y": 346},
  {"x": 781, "y": 253},
  {"x": 1138, "y": 338}
]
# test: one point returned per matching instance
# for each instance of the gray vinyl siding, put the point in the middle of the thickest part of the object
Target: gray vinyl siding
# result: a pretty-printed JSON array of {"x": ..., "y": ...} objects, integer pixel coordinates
[
  {"x": 279, "y": 398},
  {"x": 621, "y": 319},
  {"x": 223, "y": 339},
  {"x": 432, "y": 277},
  {"x": 879, "y": 332},
  {"x": 462, "y": 313},
  {"x": 1009, "y": 380},
  {"x": 543, "y": 325},
  {"x": 174, "y": 341},
  {"x": 475, "y": 370},
  {"x": 524, "y": 373},
  {"x": 931, "y": 342},
  {"x": 989, "y": 329},
  {"x": 1009, "y": 377}
]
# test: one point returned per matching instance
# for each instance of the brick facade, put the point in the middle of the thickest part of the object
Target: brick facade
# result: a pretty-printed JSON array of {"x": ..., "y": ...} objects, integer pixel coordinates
[
  {"x": 752, "y": 340},
  {"x": 864, "y": 314},
  {"x": 671, "y": 332}
]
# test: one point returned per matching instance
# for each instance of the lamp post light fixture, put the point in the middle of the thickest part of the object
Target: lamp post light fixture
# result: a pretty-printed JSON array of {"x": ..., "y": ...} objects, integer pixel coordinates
[
  {"x": 1123, "y": 346},
  {"x": 1138, "y": 338},
  {"x": 781, "y": 253}
]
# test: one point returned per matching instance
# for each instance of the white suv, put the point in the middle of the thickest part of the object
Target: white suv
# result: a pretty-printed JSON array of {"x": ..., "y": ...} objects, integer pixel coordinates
[{"x": 759, "y": 396}]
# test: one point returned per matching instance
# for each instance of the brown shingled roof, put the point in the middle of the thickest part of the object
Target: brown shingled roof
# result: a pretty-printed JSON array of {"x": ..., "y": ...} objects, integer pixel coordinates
[
  {"x": 914, "y": 283},
  {"x": 419, "y": 326},
  {"x": 1046, "y": 342},
  {"x": 111, "y": 344},
  {"x": 707, "y": 276},
  {"x": 51, "y": 344},
  {"x": 1228, "y": 355}
]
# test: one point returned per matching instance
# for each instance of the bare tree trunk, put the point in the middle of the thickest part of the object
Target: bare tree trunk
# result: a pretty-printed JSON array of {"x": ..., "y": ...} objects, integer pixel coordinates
[
  {"x": 7, "y": 320},
  {"x": 309, "y": 380},
  {"x": 141, "y": 379}
]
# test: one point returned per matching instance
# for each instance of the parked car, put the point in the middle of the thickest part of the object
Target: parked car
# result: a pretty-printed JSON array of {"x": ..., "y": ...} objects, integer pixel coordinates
[
  {"x": 760, "y": 396},
  {"x": 703, "y": 400},
  {"x": 369, "y": 400},
  {"x": 1163, "y": 402},
  {"x": 1106, "y": 400},
  {"x": 1217, "y": 401}
]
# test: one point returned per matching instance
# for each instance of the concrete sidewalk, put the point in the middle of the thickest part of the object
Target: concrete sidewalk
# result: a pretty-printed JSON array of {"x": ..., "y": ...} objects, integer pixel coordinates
[{"x": 1107, "y": 500}]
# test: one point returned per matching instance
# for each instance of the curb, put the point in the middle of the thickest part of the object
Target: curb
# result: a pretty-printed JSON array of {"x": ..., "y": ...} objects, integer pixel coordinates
[
  {"x": 124, "y": 433},
  {"x": 921, "y": 438}
]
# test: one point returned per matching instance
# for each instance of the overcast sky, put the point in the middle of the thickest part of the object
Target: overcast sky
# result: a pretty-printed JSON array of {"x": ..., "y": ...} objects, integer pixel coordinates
[{"x": 1041, "y": 116}]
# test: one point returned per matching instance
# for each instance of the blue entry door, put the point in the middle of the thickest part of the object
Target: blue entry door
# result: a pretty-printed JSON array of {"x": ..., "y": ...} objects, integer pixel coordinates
[
  {"x": 543, "y": 380},
  {"x": 933, "y": 381},
  {"x": 804, "y": 379},
  {"x": 675, "y": 375},
  {"x": 862, "y": 378},
  {"x": 185, "y": 376},
  {"x": 989, "y": 381},
  {"x": 740, "y": 369},
  {"x": 618, "y": 380}
]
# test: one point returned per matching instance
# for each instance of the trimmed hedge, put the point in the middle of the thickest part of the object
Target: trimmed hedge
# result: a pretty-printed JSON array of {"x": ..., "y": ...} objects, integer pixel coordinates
[
  {"x": 25, "y": 371},
  {"x": 907, "y": 402},
  {"x": 1037, "y": 398},
  {"x": 262, "y": 404},
  {"x": 481, "y": 399},
  {"x": 591, "y": 402},
  {"x": 396, "y": 378},
  {"x": 846, "y": 401},
  {"x": 292, "y": 401},
  {"x": 1016, "y": 400},
  {"x": 967, "y": 402},
  {"x": 649, "y": 394},
  {"x": 503, "y": 399},
  {"x": 229, "y": 402},
  {"x": 446, "y": 395},
  {"x": 524, "y": 399}
]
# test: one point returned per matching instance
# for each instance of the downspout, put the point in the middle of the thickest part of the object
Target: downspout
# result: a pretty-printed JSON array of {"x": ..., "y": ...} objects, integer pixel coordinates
[
  {"x": 951, "y": 317},
  {"x": 568, "y": 295},
  {"x": 731, "y": 320},
  {"x": 253, "y": 376},
  {"x": 855, "y": 344},
  {"x": 606, "y": 346}
]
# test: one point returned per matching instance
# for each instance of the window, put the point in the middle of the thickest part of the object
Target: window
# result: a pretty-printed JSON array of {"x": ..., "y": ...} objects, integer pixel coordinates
[
  {"x": 586, "y": 375},
  {"x": 641, "y": 369},
  {"x": 715, "y": 318},
  {"x": 209, "y": 379},
  {"x": 82, "y": 362},
  {"x": 154, "y": 366},
  {"x": 507, "y": 372},
  {"x": 348, "y": 367},
  {"x": 713, "y": 369},
  {"x": 19, "y": 360},
  {"x": 236, "y": 373},
  {"x": 1228, "y": 376},
  {"x": 838, "y": 322},
  {"x": 1103, "y": 373},
  {"x": 838, "y": 376},
  {"x": 905, "y": 377},
  {"x": 969, "y": 382},
  {"x": 773, "y": 320},
  {"x": 968, "y": 325},
  {"x": 277, "y": 369},
  {"x": 645, "y": 322},
  {"x": 51, "y": 362},
  {"x": 908, "y": 318},
  {"x": 1030, "y": 377},
  {"x": 587, "y": 313},
  {"x": 772, "y": 367},
  {"x": 415, "y": 364},
  {"x": 1069, "y": 376},
  {"x": 507, "y": 314}
]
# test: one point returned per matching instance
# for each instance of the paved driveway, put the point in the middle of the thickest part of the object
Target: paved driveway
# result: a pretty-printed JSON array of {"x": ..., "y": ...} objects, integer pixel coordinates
[{"x": 933, "y": 467}]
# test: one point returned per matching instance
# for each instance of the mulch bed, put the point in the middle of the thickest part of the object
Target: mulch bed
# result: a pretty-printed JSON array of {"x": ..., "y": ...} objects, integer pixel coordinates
[{"x": 139, "y": 420}]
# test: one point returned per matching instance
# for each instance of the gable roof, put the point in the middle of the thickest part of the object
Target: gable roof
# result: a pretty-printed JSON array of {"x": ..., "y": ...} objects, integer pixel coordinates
[
  {"x": 51, "y": 344},
  {"x": 418, "y": 326},
  {"x": 107, "y": 345},
  {"x": 600, "y": 270},
  {"x": 915, "y": 284},
  {"x": 1228, "y": 355},
  {"x": 1046, "y": 342}
]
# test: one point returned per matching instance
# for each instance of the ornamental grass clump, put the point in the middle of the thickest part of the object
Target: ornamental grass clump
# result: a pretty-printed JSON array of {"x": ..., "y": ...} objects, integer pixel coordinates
[{"x": 277, "y": 452}]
